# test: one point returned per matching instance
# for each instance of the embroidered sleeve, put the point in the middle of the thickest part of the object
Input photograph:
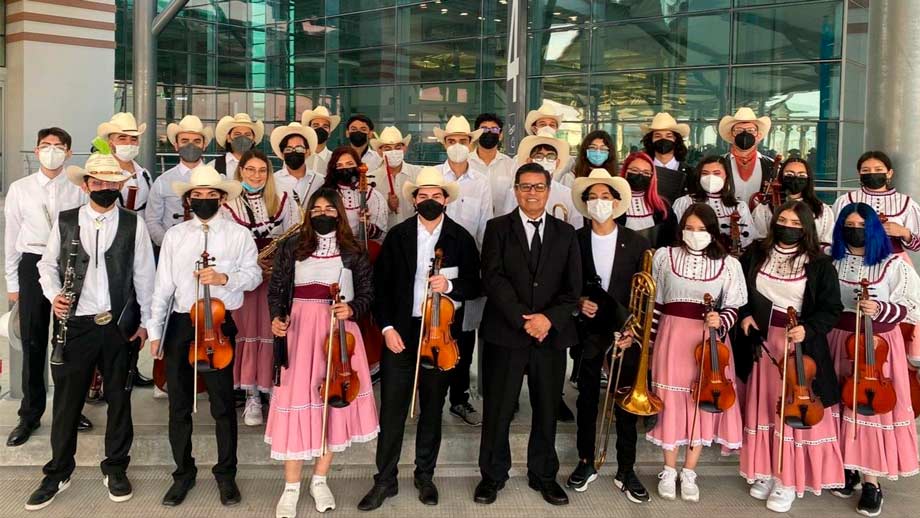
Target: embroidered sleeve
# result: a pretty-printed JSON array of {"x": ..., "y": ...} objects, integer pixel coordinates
[
  {"x": 681, "y": 205},
  {"x": 761, "y": 221},
  {"x": 734, "y": 289},
  {"x": 660, "y": 265},
  {"x": 912, "y": 223},
  {"x": 377, "y": 205},
  {"x": 904, "y": 301}
]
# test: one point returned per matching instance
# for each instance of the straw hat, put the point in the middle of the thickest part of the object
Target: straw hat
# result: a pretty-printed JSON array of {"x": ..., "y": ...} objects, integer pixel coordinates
[
  {"x": 205, "y": 176},
  {"x": 663, "y": 121},
  {"x": 321, "y": 112},
  {"x": 390, "y": 136},
  {"x": 620, "y": 185},
  {"x": 430, "y": 177},
  {"x": 545, "y": 137},
  {"x": 121, "y": 122},
  {"x": 10, "y": 329},
  {"x": 457, "y": 125},
  {"x": 295, "y": 128},
  {"x": 188, "y": 124},
  {"x": 99, "y": 166},
  {"x": 226, "y": 124},
  {"x": 545, "y": 111},
  {"x": 744, "y": 114}
]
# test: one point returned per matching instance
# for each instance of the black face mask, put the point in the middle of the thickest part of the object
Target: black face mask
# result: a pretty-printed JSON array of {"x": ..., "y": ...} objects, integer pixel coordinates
[
  {"x": 854, "y": 236},
  {"x": 429, "y": 210},
  {"x": 663, "y": 146},
  {"x": 874, "y": 180},
  {"x": 787, "y": 235},
  {"x": 488, "y": 140},
  {"x": 323, "y": 224},
  {"x": 744, "y": 140},
  {"x": 794, "y": 184},
  {"x": 321, "y": 135},
  {"x": 347, "y": 176},
  {"x": 357, "y": 138},
  {"x": 294, "y": 160},
  {"x": 638, "y": 182},
  {"x": 104, "y": 198},
  {"x": 204, "y": 208}
]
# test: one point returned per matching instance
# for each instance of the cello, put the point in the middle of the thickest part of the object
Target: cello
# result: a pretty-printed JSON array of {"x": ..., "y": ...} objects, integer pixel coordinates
[
  {"x": 798, "y": 406},
  {"x": 341, "y": 385},
  {"x": 438, "y": 348},
  {"x": 370, "y": 332},
  {"x": 714, "y": 391}
]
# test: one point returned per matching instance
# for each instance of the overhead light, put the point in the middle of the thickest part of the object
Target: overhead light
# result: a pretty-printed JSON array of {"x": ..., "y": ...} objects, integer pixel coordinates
[
  {"x": 557, "y": 13},
  {"x": 444, "y": 11},
  {"x": 499, "y": 20},
  {"x": 463, "y": 14},
  {"x": 573, "y": 18}
]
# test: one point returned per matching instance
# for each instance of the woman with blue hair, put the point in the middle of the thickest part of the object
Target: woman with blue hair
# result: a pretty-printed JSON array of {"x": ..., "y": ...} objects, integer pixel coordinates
[{"x": 886, "y": 445}]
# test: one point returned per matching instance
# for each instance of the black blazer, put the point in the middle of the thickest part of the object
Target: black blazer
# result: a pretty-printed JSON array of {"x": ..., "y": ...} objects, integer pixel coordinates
[
  {"x": 513, "y": 291},
  {"x": 821, "y": 309},
  {"x": 394, "y": 274}
]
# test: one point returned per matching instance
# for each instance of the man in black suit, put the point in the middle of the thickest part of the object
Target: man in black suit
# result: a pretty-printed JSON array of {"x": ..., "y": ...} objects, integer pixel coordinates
[
  {"x": 399, "y": 287},
  {"x": 531, "y": 272}
]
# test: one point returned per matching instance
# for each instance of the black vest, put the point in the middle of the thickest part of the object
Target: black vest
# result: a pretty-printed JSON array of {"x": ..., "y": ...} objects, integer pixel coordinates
[
  {"x": 220, "y": 164},
  {"x": 119, "y": 265}
]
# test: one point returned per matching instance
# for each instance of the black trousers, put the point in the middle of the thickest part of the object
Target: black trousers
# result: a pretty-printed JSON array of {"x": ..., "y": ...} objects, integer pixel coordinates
[
  {"x": 397, "y": 372},
  {"x": 34, "y": 319},
  {"x": 504, "y": 369},
  {"x": 460, "y": 375},
  {"x": 90, "y": 346},
  {"x": 180, "y": 374}
]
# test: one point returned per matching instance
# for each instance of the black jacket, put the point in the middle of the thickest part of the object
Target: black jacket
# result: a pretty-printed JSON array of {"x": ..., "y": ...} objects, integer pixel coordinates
[
  {"x": 513, "y": 291},
  {"x": 821, "y": 309}
]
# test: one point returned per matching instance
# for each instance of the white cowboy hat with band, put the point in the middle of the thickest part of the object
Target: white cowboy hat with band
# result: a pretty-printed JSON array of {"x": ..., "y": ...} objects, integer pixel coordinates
[
  {"x": 321, "y": 112},
  {"x": 663, "y": 121},
  {"x": 618, "y": 184},
  {"x": 390, "y": 136},
  {"x": 226, "y": 124},
  {"x": 430, "y": 177},
  {"x": 545, "y": 111},
  {"x": 457, "y": 125},
  {"x": 121, "y": 123},
  {"x": 99, "y": 166},
  {"x": 189, "y": 124},
  {"x": 10, "y": 327},
  {"x": 295, "y": 128},
  {"x": 544, "y": 137},
  {"x": 206, "y": 177},
  {"x": 744, "y": 114}
]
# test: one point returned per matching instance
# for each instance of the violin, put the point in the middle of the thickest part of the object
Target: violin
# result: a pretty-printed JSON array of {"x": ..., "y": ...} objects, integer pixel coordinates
[
  {"x": 867, "y": 391},
  {"x": 341, "y": 385},
  {"x": 438, "y": 349},
  {"x": 734, "y": 225},
  {"x": 714, "y": 391},
  {"x": 798, "y": 406},
  {"x": 372, "y": 247},
  {"x": 212, "y": 350},
  {"x": 771, "y": 188}
]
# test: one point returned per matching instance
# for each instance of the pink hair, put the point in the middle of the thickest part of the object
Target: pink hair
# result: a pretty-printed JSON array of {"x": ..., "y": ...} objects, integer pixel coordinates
[{"x": 651, "y": 195}]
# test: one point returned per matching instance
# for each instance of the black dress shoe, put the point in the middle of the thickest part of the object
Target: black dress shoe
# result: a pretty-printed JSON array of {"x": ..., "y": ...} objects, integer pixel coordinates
[
  {"x": 552, "y": 492},
  {"x": 44, "y": 495},
  {"x": 177, "y": 492},
  {"x": 487, "y": 491},
  {"x": 142, "y": 381},
  {"x": 427, "y": 492},
  {"x": 22, "y": 432},
  {"x": 375, "y": 497},
  {"x": 229, "y": 492},
  {"x": 84, "y": 424}
]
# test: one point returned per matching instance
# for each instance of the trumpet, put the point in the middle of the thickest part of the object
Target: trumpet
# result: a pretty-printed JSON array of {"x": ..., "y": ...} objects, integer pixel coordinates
[
  {"x": 60, "y": 337},
  {"x": 565, "y": 211}
]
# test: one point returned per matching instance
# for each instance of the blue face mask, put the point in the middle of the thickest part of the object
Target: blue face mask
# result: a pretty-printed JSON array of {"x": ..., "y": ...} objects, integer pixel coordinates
[
  {"x": 250, "y": 189},
  {"x": 597, "y": 157}
]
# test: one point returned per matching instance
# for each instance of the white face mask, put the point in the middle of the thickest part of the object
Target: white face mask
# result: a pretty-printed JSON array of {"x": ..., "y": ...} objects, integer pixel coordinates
[
  {"x": 127, "y": 152},
  {"x": 548, "y": 165},
  {"x": 458, "y": 153},
  {"x": 600, "y": 210},
  {"x": 712, "y": 183},
  {"x": 394, "y": 157},
  {"x": 697, "y": 240},
  {"x": 52, "y": 158}
]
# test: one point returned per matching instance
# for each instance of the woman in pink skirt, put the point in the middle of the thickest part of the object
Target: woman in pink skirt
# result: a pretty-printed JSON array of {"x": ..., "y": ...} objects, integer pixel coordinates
[
  {"x": 787, "y": 269},
  {"x": 885, "y": 444},
  {"x": 322, "y": 253},
  {"x": 265, "y": 212},
  {"x": 684, "y": 274}
]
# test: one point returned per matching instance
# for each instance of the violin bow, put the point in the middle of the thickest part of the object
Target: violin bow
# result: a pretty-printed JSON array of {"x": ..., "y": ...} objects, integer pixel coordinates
[
  {"x": 856, "y": 365},
  {"x": 699, "y": 382},
  {"x": 418, "y": 353},
  {"x": 328, "y": 381},
  {"x": 782, "y": 403}
]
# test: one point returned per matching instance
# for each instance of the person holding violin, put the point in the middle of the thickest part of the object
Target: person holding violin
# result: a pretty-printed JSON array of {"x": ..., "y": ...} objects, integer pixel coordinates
[
  {"x": 324, "y": 252},
  {"x": 343, "y": 175},
  {"x": 184, "y": 283},
  {"x": 648, "y": 213},
  {"x": 885, "y": 443},
  {"x": 401, "y": 275},
  {"x": 686, "y": 275},
  {"x": 796, "y": 182},
  {"x": 788, "y": 270}
]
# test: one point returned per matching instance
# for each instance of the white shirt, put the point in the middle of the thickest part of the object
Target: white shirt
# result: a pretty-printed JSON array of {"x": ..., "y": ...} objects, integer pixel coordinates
[
  {"x": 424, "y": 254},
  {"x": 604, "y": 250},
  {"x": 298, "y": 190},
  {"x": 672, "y": 164},
  {"x": 143, "y": 182},
  {"x": 31, "y": 208},
  {"x": 529, "y": 228},
  {"x": 371, "y": 159},
  {"x": 164, "y": 208},
  {"x": 724, "y": 213},
  {"x": 233, "y": 251},
  {"x": 379, "y": 178},
  {"x": 473, "y": 209},
  {"x": 763, "y": 214},
  {"x": 94, "y": 297},
  {"x": 231, "y": 162},
  {"x": 744, "y": 190},
  {"x": 319, "y": 161},
  {"x": 781, "y": 279},
  {"x": 500, "y": 172}
]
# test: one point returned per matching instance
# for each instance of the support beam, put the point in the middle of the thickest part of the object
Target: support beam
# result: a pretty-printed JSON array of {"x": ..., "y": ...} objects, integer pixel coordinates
[{"x": 516, "y": 85}]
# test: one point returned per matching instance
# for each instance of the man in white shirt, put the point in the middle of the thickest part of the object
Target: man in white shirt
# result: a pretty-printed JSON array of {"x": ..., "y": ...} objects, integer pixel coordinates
[
  {"x": 359, "y": 129},
  {"x": 111, "y": 284},
  {"x": 122, "y": 133},
  {"x": 546, "y": 120},
  {"x": 745, "y": 131},
  {"x": 32, "y": 205},
  {"x": 236, "y": 134},
  {"x": 393, "y": 173},
  {"x": 497, "y": 166},
  {"x": 294, "y": 144},
  {"x": 323, "y": 123}
]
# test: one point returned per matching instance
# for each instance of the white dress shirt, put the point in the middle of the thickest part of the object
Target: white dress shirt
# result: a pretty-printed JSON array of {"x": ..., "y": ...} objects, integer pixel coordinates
[
  {"x": 298, "y": 190},
  {"x": 233, "y": 252},
  {"x": 319, "y": 162},
  {"x": 379, "y": 178},
  {"x": 143, "y": 182},
  {"x": 31, "y": 208},
  {"x": 98, "y": 230},
  {"x": 744, "y": 190},
  {"x": 371, "y": 159},
  {"x": 672, "y": 164},
  {"x": 500, "y": 172},
  {"x": 604, "y": 251},
  {"x": 529, "y": 229},
  {"x": 164, "y": 208},
  {"x": 473, "y": 209},
  {"x": 231, "y": 162},
  {"x": 424, "y": 254}
]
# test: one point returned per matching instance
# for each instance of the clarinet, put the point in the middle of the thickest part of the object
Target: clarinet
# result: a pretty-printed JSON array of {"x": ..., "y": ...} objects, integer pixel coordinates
[{"x": 60, "y": 337}]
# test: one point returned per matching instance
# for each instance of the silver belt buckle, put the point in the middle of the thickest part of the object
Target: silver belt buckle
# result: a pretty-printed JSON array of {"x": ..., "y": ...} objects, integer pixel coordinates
[{"x": 102, "y": 318}]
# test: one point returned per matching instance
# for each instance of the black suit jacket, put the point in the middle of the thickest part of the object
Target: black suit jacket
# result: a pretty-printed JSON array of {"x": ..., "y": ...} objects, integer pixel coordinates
[
  {"x": 513, "y": 291},
  {"x": 394, "y": 274}
]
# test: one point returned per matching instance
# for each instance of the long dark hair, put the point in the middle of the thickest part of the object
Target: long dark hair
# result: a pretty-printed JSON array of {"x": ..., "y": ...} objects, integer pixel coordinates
[
  {"x": 334, "y": 159},
  {"x": 810, "y": 243},
  {"x": 715, "y": 250},
  {"x": 344, "y": 237},
  {"x": 700, "y": 195},
  {"x": 808, "y": 195},
  {"x": 583, "y": 167},
  {"x": 680, "y": 149}
]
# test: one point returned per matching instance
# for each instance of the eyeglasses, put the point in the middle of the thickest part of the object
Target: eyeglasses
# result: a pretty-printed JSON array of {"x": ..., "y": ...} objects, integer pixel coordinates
[
  {"x": 295, "y": 149},
  {"x": 328, "y": 211},
  {"x": 528, "y": 187},
  {"x": 262, "y": 171},
  {"x": 639, "y": 172},
  {"x": 738, "y": 131},
  {"x": 495, "y": 129},
  {"x": 548, "y": 156}
]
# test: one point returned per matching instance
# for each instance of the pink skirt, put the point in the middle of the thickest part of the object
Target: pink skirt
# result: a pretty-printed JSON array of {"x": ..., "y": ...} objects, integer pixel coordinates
[
  {"x": 811, "y": 458},
  {"x": 252, "y": 365},
  {"x": 674, "y": 371},
  {"x": 885, "y": 445},
  {"x": 295, "y": 417}
]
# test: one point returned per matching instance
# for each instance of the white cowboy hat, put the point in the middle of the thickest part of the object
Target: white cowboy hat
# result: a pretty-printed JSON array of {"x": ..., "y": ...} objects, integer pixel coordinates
[
  {"x": 294, "y": 128},
  {"x": 226, "y": 124},
  {"x": 321, "y": 112},
  {"x": 618, "y": 184},
  {"x": 9, "y": 327},
  {"x": 188, "y": 124},
  {"x": 99, "y": 166},
  {"x": 457, "y": 125},
  {"x": 545, "y": 111},
  {"x": 546, "y": 137},
  {"x": 663, "y": 121},
  {"x": 390, "y": 135},
  {"x": 430, "y": 177},
  {"x": 744, "y": 114},
  {"x": 205, "y": 176},
  {"x": 121, "y": 122}
]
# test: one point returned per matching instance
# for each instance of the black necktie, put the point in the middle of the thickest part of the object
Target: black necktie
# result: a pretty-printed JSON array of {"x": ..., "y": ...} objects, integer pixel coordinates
[{"x": 536, "y": 244}]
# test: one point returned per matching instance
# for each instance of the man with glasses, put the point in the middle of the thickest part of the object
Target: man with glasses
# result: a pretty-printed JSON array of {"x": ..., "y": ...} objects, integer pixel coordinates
[
  {"x": 497, "y": 166},
  {"x": 745, "y": 131}
]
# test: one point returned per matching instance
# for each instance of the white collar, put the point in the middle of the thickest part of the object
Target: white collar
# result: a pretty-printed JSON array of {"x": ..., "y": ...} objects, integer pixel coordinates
[
  {"x": 672, "y": 164},
  {"x": 525, "y": 218},
  {"x": 437, "y": 229},
  {"x": 93, "y": 214}
]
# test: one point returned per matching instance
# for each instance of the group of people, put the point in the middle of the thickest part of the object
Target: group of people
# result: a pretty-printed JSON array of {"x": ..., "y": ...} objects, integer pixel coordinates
[{"x": 350, "y": 265}]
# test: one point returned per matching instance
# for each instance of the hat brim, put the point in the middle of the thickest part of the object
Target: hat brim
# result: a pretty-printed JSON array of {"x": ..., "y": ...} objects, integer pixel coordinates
[
  {"x": 534, "y": 115},
  {"x": 173, "y": 130},
  {"x": 9, "y": 327},
  {"x": 681, "y": 129},
  {"x": 107, "y": 128},
  {"x": 441, "y": 135},
  {"x": 226, "y": 125},
  {"x": 309, "y": 115},
  {"x": 76, "y": 174},
  {"x": 231, "y": 187},
  {"x": 531, "y": 141},
  {"x": 376, "y": 143},
  {"x": 282, "y": 132},
  {"x": 452, "y": 189},
  {"x": 727, "y": 122},
  {"x": 618, "y": 184}
]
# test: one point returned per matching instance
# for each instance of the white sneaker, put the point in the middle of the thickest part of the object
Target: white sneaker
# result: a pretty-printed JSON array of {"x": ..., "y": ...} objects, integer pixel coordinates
[
  {"x": 287, "y": 506},
  {"x": 159, "y": 394},
  {"x": 667, "y": 483},
  {"x": 322, "y": 496},
  {"x": 761, "y": 489},
  {"x": 252, "y": 414},
  {"x": 689, "y": 491},
  {"x": 781, "y": 499}
]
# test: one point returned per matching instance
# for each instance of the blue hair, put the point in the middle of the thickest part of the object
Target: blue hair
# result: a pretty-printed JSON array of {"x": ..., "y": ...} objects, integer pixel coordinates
[{"x": 878, "y": 244}]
